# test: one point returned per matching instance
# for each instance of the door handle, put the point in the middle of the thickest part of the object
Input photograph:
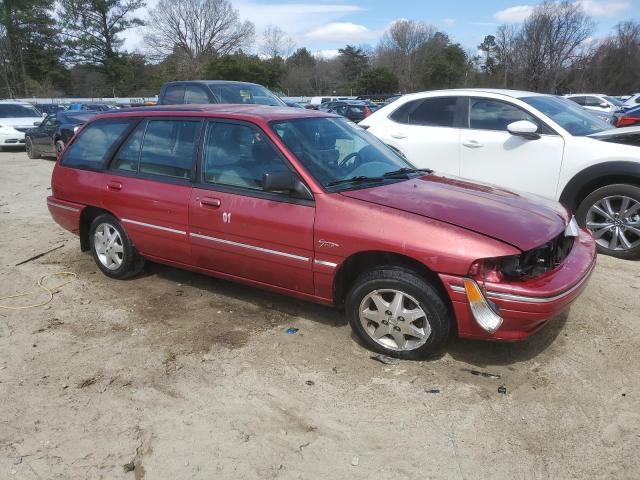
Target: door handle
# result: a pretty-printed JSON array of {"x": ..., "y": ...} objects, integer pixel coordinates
[
  {"x": 472, "y": 144},
  {"x": 399, "y": 136},
  {"x": 210, "y": 202},
  {"x": 117, "y": 186}
]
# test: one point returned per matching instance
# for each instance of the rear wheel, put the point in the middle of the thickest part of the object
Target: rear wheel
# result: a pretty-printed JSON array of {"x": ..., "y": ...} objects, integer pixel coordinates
[
  {"x": 612, "y": 215},
  {"x": 112, "y": 249},
  {"x": 30, "y": 149},
  {"x": 397, "y": 312}
]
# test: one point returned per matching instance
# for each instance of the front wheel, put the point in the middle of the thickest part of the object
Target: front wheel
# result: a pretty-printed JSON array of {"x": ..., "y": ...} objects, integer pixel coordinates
[
  {"x": 59, "y": 147},
  {"x": 30, "y": 149},
  {"x": 397, "y": 312},
  {"x": 612, "y": 215}
]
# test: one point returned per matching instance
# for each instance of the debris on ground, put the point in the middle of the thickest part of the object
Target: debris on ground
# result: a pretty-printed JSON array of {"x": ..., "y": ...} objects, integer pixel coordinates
[
  {"x": 355, "y": 461},
  {"x": 310, "y": 382},
  {"x": 432, "y": 390},
  {"x": 502, "y": 389},
  {"x": 478, "y": 373},
  {"x": 291, "y": 330},
  {"x": 386, "y": 359},
  {"x": 129, "y": 467}
]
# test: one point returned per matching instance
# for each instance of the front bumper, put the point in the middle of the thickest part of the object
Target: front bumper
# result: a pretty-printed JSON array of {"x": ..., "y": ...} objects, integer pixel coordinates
[
  {"x": 527, "y": 306},
  {"x": 10, "y": 138}
]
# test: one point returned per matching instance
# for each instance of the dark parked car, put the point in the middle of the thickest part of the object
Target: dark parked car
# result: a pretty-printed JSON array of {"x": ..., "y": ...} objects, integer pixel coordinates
[
  {"x": 50, "y": 108},
  {"x": 50, "y": 137},
  {"x": 354, "y": 110},
  {"x": 217, "y": 91},
  {"x": 628, "y": 118}
]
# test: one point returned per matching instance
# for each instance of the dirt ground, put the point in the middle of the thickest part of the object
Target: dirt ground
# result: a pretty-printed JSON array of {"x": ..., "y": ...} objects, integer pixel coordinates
[{"x": 174, "y": 375}]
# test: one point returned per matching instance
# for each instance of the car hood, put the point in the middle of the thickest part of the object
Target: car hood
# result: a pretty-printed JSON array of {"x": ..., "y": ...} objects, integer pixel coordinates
[
  {"x": 20, "y": 122},
  {"x": 624, "y": 135},
  {"x": 524, "y": 221}
]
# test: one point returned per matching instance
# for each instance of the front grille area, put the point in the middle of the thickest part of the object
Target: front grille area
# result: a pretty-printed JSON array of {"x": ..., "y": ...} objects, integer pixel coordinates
[{"x": 540, "y": 260}]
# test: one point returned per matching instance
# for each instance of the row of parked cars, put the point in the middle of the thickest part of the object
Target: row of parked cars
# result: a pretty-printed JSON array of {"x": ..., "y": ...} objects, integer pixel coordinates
[
  {"x": 413, "y": 221},
  {"x": 612, "y": 109}
]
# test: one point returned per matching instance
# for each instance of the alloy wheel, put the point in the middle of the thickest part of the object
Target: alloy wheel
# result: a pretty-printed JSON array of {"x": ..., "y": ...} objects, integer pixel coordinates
[
  {"x": 28, "y": 147},
  {"x": 108, "y": 246},
  {"x": 394, "y": 320},
  {"x": 614, "y": 222}
]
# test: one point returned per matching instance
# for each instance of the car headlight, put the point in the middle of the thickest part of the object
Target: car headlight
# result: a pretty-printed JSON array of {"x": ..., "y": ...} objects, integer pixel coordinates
[{"x": 527, "y": 265}]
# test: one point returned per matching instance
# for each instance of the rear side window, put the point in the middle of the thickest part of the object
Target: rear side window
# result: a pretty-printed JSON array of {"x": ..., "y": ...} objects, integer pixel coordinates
[
  {"x": 173, "y": 95},
  {"x": 593, "y": 102},
  {"x": 578, "y": 100},
  {"x": 432, "y": 112},
  {"x": 128, "y": 156},
  {"x": 168, "y": 148},
  {"x": 95, "y": 143},
  {"x": 195, "y": 94}
]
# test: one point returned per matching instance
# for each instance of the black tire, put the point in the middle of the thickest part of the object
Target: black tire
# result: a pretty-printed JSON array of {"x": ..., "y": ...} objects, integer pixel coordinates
[
  {"x": 131, "y": 261},
  {"x": 32, "y": 153},
  {"x": 617, "y": 190},
  {"x": 59, "y": 145},
  {"x": 413, "y": 285}
]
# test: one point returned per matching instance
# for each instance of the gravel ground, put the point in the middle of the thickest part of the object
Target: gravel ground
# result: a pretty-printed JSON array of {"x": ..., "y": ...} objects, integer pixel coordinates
[{"x": 176, "y": 375}]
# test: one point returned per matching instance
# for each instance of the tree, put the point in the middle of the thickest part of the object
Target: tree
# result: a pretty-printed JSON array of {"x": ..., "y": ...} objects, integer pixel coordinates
[
  {"x": 401, "y": 50},
  {"x": 446, "y": 68},
  {"x": 276, "y": 42},
  {"x": 355, "y": 62},
  {"x": 377, "y": 80},
  {"x": 194, "y": 31},
  {"x": 29, "y": 48},
  {"x": 92, "y": 29},
  {"x": 488, "y": 47},
  {"x": 246, "y": 68},
  {"x": 549, "y": 41}
]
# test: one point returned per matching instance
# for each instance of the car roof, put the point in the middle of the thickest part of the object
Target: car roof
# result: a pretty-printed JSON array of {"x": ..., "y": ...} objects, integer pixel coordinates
[
  {"x": 470, "y": 91},
  {"x": 211, "y": 82},
  {"x": 583, "y": 94},
  {"x": 15, "y": 102},
  {"x": 251, "y": 112}
]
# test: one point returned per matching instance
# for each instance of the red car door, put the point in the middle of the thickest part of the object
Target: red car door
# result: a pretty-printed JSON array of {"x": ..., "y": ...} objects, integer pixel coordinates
[
  {"x": 238, "y": 229},
  {"x": 148, "y": 186}
]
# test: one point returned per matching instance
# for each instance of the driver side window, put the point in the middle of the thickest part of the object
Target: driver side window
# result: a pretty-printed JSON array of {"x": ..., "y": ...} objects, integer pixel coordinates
[
  {"x": 238, "y": 155},
  {"x": 487, "y": 114}
]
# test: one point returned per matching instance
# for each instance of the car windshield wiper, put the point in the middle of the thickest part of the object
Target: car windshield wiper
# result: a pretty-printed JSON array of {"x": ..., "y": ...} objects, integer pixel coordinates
[
  {"x": 357, "y": 179},
  {"x": 406, "y": 171}
]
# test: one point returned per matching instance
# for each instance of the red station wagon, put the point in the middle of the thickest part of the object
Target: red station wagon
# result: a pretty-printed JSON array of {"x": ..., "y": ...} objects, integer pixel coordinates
[{"x": 310, "y": 205}]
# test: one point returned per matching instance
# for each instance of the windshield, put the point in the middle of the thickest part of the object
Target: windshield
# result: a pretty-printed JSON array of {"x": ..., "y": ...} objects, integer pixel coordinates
[
  {"x": 15, "y": 110},
  {"x": 338, "y": 153},
  {"x": 569, "y": 115},
  {"x": 613, "y": 101},
  {"x": 245, "y": 93}
]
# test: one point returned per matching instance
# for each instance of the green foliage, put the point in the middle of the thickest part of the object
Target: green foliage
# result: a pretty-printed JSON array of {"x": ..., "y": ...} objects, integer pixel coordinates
[
  {"x": 378, "y": 80},
  {"x": 246, "y": 68},
  {"x": 446, "y": 68},
  {"x": 91, "y": 29},
  {"x": 354, "y": 62},
  {"x": 301, "y": 58}
]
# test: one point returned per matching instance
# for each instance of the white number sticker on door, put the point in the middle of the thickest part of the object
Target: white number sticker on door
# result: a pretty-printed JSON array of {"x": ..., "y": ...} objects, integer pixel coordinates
[{"x": 226, "y": 217}]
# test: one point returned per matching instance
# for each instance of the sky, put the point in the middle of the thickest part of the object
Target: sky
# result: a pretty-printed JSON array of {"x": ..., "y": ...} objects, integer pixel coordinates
[{"x": 323, "y": 26}]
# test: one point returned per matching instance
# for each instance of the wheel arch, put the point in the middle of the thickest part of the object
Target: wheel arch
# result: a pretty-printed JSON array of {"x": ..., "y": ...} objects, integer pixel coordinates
[
  {"x": 87, "y": 216},
  {"x": 354, "y": 265},
  {"x": 596, "y": 176}
]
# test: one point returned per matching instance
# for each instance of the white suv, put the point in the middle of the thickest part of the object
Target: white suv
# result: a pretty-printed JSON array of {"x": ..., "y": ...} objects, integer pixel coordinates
[
  {"x": 538, "y": 143},
  {"x": 15, "y": 119},
  {"x": 596, "y": 102}
]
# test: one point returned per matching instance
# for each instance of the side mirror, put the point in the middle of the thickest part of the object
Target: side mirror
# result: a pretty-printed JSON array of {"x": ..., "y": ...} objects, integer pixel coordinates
[
  {"x": 604, "y": 105},
  {"x": 285, "y": 182},
  {"x": 525, "y": 129}
]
